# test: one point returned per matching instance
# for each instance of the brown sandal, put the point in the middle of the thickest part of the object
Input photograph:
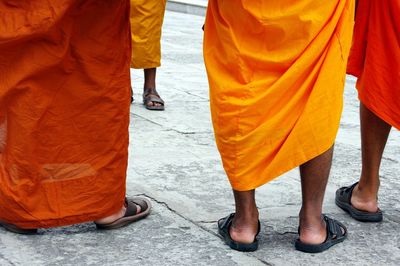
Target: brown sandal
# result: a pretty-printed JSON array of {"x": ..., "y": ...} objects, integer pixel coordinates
[
  {"x": 131, "y": 214},
  {"x": 151, "y": 95},
  {"x": 18, "y": 230}
]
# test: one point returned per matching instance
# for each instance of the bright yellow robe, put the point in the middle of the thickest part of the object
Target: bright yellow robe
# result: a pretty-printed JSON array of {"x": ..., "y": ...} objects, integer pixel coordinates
[
  {"x": 276, "y": 72},
  {"x": 146, "y": 22}
]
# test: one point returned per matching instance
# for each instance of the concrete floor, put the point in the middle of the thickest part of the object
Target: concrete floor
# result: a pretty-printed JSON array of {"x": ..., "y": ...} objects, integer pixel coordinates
[{"x": 174, "y": 161}]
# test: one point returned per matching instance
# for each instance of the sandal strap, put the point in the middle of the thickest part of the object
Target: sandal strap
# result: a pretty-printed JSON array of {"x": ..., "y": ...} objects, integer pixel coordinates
[
  {"x": 346, "y": 192},
  {"x": 334, "y": 227},
  {"x": 131, "y": 206},
  {"x": 227, "y": 221},
  {"x": 350, "y": 189},
  {"x": 151, "y": 95},
  {"x": 154, "y": 99},
  {"x": 150, "y": 91}
]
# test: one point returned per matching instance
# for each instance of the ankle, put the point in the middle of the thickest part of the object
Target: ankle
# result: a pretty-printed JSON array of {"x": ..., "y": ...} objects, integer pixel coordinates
[
  {"x": 311, "y": 214},
  {"x": 312, "y": 231},
  {"x": 364, "y": 200},
  {"x": 366, "y": 192},
  {"x": 248, "y": 216},
  {"x": 244, "y": 228}
]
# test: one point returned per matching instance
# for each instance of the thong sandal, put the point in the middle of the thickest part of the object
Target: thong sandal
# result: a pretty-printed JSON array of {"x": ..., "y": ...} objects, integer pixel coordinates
[
  {"x": 334, "y": 235},
  {"x": 131, "y": 214},
  {"x": 343, "y": 200},
  {"x": 225, "y": 224},
  {"x": 18, "y": 230},
  {"x": 150, "y": 95}
]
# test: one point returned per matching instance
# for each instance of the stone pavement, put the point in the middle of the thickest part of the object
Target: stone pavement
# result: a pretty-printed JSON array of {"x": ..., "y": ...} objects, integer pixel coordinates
[{"x": 173, "y": 161}]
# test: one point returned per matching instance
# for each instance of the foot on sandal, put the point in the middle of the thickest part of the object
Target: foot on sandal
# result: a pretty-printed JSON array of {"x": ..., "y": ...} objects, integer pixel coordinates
[
  {"x": 18, "y": 230},
  {"x": 151, "y": 100},
  {"x": 224, "y": 226},
  {"x": 132, "y": 214},
  {"x": 343, "y": 200},
  {"x": 336, "y": 233}
]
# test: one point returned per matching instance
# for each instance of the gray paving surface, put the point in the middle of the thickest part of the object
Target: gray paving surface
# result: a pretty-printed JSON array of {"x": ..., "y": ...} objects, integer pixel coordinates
[{"x": 173, "y": 160}]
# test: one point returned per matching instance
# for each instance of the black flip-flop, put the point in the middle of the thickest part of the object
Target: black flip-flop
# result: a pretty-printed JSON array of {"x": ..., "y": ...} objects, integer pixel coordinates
[
  {"x": 18, "y": 230},
  {"x": 223, "y": 229},
  {"x": 343, "y": 200},
  {"x": 334, "y": 235}
]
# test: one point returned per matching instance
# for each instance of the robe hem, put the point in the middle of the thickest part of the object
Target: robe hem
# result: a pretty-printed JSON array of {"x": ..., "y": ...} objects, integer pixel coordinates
[
  {"x": 70, "y": 220},
  {"x": 285, "y": 170}
]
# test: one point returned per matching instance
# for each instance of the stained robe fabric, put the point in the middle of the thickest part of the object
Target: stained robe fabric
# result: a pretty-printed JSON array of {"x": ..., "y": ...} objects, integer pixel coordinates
[
  {"x": 375, "y": 58},
  {"x": 276, "y": 71},
  {"x": 146, "y": 22},
  {"x": 64, "y": 110}
]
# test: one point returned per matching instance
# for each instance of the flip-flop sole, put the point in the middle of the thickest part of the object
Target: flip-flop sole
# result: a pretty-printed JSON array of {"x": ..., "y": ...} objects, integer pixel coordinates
[
  {"x": 17, "y": 230},
  {"x": 361, "y": 216},
  {"x": 236, "y": 245},
  {"x": 223, "y": 230},
  {"x": 155, "y": 108},
  {"x": 307, "y": 248}
]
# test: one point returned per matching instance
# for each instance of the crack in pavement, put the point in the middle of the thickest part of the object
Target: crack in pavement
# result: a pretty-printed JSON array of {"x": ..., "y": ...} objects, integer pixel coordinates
[
  {"x": 196, "y": 224},
  {"x": 7, "y": 260},
  {"x": 172, "y": 129},
  {"x": 391, "y": 220}
]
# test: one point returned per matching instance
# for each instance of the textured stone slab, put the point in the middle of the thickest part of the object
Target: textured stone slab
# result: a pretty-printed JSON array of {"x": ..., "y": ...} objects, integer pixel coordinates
[{"x": 164, "y": 238}]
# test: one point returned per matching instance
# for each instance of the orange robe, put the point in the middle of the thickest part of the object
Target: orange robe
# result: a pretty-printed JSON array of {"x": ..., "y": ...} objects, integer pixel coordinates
[
  {"x": 276, "y": 71},
  {"x": 146, "y": 18},
  {"x": 375, "y": 57},
  {"x": 64, "y": 110}
]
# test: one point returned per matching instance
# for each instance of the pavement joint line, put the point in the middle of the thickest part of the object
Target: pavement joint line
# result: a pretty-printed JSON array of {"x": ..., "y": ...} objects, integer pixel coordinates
[
  {"x": 190, "y": 3},
  {"x": 287, "y": 233},
  {"x": 196, "y": 224},
  {"x": 206, "y": 222},
  {"x": 204, "y": 99},
  {"x": 177, "y": 213},
  {"x": 192, "y": 8},
  {"x": 7, "y": 260},
  {"x": 391, "y": 220},
  {"x": 171, "y": 129},
  {"x": 390, "y": 159},
  {"x": 151, "y": 121}
]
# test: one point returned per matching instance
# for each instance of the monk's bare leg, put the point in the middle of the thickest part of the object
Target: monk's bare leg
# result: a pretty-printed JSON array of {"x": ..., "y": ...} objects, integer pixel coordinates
[
  {"x": 374, "y": 135},
  {"x": 150, "y": 77},
  {"x": 150, "y": 82},
  {"x": 245, "y": 223},
  {"x": 314, "y": 177}
]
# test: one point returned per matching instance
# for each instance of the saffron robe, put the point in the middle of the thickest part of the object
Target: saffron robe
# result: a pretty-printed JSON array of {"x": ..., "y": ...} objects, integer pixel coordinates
[
  {"x": 375, "y": 58},
  {"x": 146, "y": 18},
  {"x": 276, "y": 71},
  {"x": 64, "y": 110}
]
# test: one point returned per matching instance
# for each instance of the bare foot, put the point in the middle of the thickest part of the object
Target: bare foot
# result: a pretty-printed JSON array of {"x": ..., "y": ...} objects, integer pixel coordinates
[
  {"x": 152, "y": 98},
  {"x": 364, "y": 200},
  {"x": 312, "y": 231},
  {"x": 244, "y": 230},
  {"x": 119, "y": 214}
]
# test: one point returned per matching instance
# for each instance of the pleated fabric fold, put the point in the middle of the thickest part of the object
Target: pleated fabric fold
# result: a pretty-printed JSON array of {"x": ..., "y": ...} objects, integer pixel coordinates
[
  {"x": 276, "y": 71},
  {"x": 375, "y": 58},
  {"x": 146, "y": 18},
  {"x": 64, "y": 110}
]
